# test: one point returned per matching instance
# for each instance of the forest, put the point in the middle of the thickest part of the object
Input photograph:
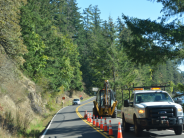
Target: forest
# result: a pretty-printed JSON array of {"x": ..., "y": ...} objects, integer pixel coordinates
[{"x": 57, "y": 46}]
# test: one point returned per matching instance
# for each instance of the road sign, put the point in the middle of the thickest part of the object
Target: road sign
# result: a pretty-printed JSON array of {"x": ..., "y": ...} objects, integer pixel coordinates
[
  {"x": 94, "y": 89},
  {"x": 63, "y": 98},
  {"x": 81, "y": 98}
]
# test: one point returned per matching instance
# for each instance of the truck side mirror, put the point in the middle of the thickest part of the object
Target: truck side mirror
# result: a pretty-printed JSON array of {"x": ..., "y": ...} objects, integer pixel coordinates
[
  {"x": 178, "y": 100},
  {"x": 126, "y": 103}
]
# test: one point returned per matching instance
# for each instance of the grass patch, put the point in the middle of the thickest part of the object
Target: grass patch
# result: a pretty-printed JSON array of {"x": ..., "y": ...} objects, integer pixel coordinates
[
  {"x": 22, "y": 125},
  {"x": 38, "y": 126},
  {"x": 16, "y": 126}
]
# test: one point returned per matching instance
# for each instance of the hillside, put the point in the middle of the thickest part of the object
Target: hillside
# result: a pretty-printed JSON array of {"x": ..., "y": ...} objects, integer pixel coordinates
[{"x": 21, "y": 104}]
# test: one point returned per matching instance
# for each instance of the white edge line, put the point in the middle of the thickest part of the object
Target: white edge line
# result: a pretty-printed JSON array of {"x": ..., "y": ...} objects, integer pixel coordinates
[
  {"x": 53, "y": 119},
  {"x": 50, "y": 123}
]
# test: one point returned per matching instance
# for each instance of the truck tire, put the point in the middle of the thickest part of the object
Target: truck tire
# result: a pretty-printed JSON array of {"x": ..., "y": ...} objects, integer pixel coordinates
[
  {"x": 126, "y": 126},
  {"x": 137, "y": 129},
  {"x": 178, "y": 130},
  {"x": 114, "y": 115}
]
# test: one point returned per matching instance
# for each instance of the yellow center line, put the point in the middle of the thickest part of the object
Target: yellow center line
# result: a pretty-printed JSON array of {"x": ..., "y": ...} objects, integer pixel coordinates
[{"x": 105, "y": 134}]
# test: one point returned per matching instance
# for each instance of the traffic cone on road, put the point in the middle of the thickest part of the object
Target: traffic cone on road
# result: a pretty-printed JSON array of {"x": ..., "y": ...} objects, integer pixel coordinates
[
  {"x": 90, "y": 118},
  {"x": 105, "y": 125},
  {"x": 101, "y": 124},
  {"x": 94, "y": 120},
  {"x": 110, "y": 128},
  {"x": 97, "y": 123},
  {"x": 85, "y": 114},
  {"x": 119, "y": 131}
]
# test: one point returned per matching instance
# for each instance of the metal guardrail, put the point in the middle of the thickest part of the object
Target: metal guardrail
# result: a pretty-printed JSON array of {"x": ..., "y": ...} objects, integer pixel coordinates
[
  {"x": 118, "y": 110},
  {"x": 119, "y": 113}
]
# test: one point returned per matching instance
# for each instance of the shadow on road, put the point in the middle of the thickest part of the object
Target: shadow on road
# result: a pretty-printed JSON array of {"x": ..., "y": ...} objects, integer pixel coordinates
[
  {"x": 150, "y": 134},
  {"x": 66, "y": 112},
  {"x": 84, "y": 131},
  {"x": 87, "y": 132},
  {"x": 71, "y": 120}
]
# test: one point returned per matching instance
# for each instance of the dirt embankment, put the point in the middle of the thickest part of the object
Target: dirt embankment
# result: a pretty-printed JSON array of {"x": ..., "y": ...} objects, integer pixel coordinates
[{"x": 21, "y": 103}]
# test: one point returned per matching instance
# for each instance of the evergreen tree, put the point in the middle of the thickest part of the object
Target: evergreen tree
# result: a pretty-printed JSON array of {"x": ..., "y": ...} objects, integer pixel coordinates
[
  {"x": 35, "y": 58},
  {"x": 86, "y": 42},
  {"x": 157, "y": 41},
  {"x": 170, "y": 71},
  {"x": 10, "y": 30},
  {"x": 50, "y": 53}
]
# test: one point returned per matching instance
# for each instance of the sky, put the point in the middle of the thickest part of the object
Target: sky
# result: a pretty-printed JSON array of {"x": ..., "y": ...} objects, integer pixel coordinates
[{"x": 142, "y": 9}]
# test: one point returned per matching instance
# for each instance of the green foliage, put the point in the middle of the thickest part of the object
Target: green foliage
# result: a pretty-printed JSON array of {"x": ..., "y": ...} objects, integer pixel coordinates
[
  {"x": 35, "y": 59},
  {"x": 156, "y": 41},
  {"x": 179, "y": 87},
  {"x": 63, "y": 63},
  {"x": 10, "y": 30},
  {"x": 171, "y": 7},
  {"x": 51, "y": 55},
  {"x": 49, "y": 106}
]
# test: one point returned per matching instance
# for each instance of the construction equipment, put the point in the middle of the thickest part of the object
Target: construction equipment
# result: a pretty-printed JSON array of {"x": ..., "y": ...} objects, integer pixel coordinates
[{"x": 105, "y": 103}]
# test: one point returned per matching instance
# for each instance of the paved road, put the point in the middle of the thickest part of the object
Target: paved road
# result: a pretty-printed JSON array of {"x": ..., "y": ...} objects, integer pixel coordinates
[{"x": 68, "y": 123}]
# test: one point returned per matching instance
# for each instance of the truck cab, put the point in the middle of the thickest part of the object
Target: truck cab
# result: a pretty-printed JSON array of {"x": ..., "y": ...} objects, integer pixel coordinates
[{"x": 152, "y": 109}]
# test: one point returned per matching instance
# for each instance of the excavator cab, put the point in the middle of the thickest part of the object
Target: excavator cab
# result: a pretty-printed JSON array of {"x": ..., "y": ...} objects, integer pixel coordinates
[
  {"x": 101, "y": 98},
  {"x": 105, "y": 103}
]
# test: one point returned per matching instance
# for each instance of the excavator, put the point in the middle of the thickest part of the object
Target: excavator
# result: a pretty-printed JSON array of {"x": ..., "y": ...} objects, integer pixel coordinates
[{"x": 105, "y": 103}]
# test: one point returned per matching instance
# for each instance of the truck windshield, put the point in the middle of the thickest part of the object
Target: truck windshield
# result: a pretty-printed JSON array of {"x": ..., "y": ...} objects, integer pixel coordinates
[{"x": 152, "y": 97}]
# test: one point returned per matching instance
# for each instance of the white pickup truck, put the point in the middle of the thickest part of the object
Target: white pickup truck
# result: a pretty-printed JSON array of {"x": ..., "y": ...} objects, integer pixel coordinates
[{"x": 150, "y": 109}]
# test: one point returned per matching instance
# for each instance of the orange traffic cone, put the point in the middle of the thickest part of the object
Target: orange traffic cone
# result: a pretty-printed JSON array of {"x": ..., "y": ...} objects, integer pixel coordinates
[
  {"x": 97, "y": 123},
  {"x": 94, "y": 120},
  {"x": 110, "y": 128},
  {"x": 119, "y": 131},
  {"x": 105, "y": 125},
  {"x": 85, "y": 114},
  {"x": 90, "y": 118},
  {"x": 101, "y": 124}
]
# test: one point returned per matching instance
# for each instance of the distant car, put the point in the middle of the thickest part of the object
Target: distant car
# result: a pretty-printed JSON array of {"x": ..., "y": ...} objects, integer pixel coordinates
[{"x": 76, "y": 101}]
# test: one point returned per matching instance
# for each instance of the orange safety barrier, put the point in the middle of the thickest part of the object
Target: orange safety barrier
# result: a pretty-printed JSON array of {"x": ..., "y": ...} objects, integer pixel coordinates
[
  {"x": 105, "y": 125},
  {"x": 94, "y": 120},
  {"x": 85, "y": 114},
  {"x": 90, "y": 118},
  {"x": 110, "y": 128},
  {"x": 97, "y": 123},
  {"x": 101, "y": 124},
  {"x": 119, "y": 131}
]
